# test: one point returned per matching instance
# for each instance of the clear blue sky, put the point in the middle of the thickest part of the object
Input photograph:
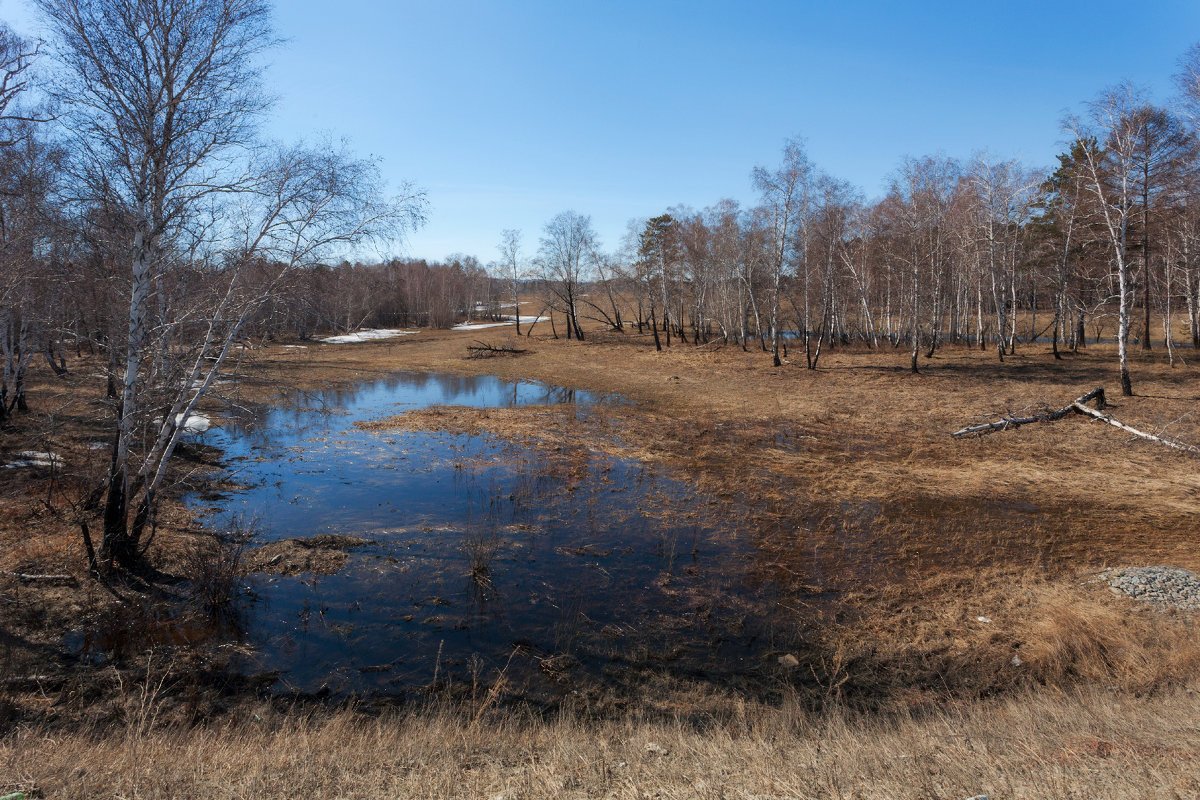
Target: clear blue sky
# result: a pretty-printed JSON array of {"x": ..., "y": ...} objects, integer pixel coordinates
[{"x": 509, "y": 112}]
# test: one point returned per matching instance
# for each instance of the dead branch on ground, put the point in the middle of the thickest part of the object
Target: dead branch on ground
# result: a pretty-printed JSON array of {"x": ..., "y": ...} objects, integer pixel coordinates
[
  {"x": 1078, "y": 406},
  {"x": 68, "y": 580},
  {"x": 485, "y": 350}
]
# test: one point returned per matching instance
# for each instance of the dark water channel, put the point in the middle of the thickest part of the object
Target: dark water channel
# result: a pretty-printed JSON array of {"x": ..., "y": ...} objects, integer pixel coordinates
[{"x": 485, "y": 557}]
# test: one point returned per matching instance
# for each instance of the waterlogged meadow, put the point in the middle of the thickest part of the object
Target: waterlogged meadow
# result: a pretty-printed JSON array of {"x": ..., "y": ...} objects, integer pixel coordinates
[{"x": 393, "y": 561}]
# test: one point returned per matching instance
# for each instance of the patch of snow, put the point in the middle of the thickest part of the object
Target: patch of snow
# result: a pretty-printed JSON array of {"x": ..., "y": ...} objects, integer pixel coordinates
[
  {"x": 98, "y": 445},
  {"x": 367, "y": 335},
  {"x": 477, "y": 326},
  {"x": 194, "y": 422},
  {"x": 295, "y": 347},
  {"x": 34, "y": 458}
]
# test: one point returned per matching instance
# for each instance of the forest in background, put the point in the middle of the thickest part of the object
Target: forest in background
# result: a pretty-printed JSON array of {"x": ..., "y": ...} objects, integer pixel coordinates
[
  {"x": 988, "y": 253},
  {"x": 147, "y": 224}
]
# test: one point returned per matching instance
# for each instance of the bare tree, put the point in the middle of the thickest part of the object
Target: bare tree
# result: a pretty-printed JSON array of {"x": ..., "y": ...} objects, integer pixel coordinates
[
  {"x": 162, "y": 98},
  {"x": 512, "y": 267},
  {"x": 658, "y": 254},
  {"x": 1110, "y": 176},
  {"x": 1187, "y": 80},
  {"x": 920, "y": 200},
  {"x": 1162, "y": 149},
  {"x": 563, "y": 255},
  {"x": 785, "y": 193},
  {"x": 16, "y": 60},
  {"x": 28, "y": 168}
]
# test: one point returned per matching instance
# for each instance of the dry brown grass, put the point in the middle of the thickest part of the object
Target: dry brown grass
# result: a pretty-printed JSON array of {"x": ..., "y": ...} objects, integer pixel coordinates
[
  {"x": 862, "y": 429},
  {"x": 1094, "y": 743},
  {"x": 994, "y": 630},
  {"x": 848, "y": 483}
]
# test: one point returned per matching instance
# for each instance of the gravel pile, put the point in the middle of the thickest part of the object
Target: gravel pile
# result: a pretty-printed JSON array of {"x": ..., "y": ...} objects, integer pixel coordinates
[{"x": 1166, "y": 587}]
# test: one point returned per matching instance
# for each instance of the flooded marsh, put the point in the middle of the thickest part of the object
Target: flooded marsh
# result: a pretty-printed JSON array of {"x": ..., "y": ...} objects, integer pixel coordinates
[{"x": 463, "y": 557}]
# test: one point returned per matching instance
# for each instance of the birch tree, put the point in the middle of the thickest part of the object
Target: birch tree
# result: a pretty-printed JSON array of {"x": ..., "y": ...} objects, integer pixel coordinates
[
  {"x": 1113, "y": 118},
  {"x": 161, "y": 100},
  {"x": 26, "y": 176},
  {"x": 512, "y": 269},
  {"x": 566, "y": 245},
  {"x": 785, "y": 194}
]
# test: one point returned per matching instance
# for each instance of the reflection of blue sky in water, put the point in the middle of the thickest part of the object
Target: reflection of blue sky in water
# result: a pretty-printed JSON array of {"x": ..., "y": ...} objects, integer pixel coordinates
[
  {"x": 589, "y": 554},
  {"x": 310, "y": 471}
]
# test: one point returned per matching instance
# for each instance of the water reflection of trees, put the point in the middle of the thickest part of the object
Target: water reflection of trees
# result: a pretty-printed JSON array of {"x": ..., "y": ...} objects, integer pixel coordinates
[
  {"x": 326, "y": 410},
  {"x": 572, "y": 553}
]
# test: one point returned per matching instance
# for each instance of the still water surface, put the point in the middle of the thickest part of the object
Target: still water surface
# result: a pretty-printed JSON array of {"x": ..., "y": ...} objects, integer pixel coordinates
[{"x": 485, "y": 556}]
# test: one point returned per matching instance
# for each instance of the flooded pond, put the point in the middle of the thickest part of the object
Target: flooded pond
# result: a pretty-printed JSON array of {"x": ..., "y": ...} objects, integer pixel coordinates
[{"x": 480, "y": 557}]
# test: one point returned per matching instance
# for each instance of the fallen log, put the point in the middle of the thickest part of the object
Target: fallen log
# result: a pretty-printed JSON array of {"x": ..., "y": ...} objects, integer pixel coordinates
[
  {"x": 64, "y": 580},
  {"x": 1078, "y": 406},
  {"x": 1004, "y": 423},
  {"x": 485, "y": 350},
  {"x": 1096, "y": 415}
]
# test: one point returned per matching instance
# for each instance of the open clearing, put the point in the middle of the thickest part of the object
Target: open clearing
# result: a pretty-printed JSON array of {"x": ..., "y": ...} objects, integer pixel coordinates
[{"x": 962, "y": 570}]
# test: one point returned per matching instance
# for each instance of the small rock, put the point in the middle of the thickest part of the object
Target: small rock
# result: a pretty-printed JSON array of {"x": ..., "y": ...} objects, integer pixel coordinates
[
  {"x": 984, "y": 620},
  {"x": 656, "y": 749},
  {"x": 789, "y": 661},
  {"x": 1016, "y": 661}
]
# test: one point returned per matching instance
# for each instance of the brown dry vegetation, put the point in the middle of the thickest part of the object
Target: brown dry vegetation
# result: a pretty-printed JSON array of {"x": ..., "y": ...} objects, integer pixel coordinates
[
  {"x": 1093, "y": 744},
  {"x": 847, "y": 482}
]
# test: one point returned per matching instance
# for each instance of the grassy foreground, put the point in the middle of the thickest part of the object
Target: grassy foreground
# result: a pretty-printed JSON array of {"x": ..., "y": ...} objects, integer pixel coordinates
[
  {"x": 848, "y": 483},
  {"x": 1033, "y": 746}
]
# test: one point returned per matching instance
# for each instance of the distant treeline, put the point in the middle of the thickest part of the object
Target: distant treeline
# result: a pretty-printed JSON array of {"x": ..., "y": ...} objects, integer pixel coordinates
[{"x": 144, "y": 219}]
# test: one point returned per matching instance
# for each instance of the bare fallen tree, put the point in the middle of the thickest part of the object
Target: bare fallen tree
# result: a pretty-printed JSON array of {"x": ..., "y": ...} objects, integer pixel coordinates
[
  {"x": 486, "y": 350},
  {"x": 1077, "y": 406}
]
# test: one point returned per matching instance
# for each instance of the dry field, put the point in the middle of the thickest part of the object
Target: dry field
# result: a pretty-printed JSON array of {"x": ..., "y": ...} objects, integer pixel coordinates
[
  {"x": 1032, "y": 746},
  {"x": 847, "y": 482}
]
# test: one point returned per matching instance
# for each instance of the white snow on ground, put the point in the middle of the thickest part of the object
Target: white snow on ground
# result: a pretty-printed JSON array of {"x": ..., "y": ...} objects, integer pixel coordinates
[
  {"x": 195, "y": 422},
  {"x": 295, "y": 347},
  {"x": 476, "y": 326},
  {"x": 366, "y": 336},
  {"x": 34, "y": 458}
]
